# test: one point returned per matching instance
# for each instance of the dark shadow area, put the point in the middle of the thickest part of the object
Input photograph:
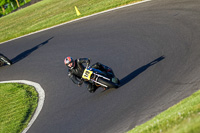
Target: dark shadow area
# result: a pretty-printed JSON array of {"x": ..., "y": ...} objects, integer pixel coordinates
[
  {"x": 135, "y": 73},
  {"x": 28, "y": 52}
]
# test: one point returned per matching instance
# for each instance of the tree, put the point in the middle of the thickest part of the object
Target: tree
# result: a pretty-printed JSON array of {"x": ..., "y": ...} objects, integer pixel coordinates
[
  {"x": 2, "y": 3},
  {"x": 11, "y": 3}
]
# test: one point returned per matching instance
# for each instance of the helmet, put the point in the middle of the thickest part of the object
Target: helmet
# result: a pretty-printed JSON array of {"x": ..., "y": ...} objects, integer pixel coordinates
[{"x": 69, "y": 60}]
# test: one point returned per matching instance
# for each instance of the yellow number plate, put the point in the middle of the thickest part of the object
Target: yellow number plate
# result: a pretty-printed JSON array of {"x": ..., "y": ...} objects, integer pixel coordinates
[{"x": 87, "y": 74}]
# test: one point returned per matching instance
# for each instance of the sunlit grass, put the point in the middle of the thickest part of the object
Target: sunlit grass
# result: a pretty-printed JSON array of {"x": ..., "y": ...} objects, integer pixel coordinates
[
  {"x": 48, "y": 13},
  {"x": 17, "y": 104},
  {"x": 181, "y": 118}
]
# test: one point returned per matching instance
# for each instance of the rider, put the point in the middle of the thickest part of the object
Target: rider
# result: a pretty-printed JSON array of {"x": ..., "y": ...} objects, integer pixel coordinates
[{"x": 76, "y": 69}]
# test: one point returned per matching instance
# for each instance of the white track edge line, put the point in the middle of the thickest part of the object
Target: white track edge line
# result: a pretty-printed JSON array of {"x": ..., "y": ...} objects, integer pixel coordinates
[
  {"x": 41, "y": 99},
  {"x": 77, "y": 20}
]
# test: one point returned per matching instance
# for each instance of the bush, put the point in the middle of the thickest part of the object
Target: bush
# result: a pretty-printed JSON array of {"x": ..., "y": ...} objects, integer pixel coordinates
[{"x": 12, "y": 6}]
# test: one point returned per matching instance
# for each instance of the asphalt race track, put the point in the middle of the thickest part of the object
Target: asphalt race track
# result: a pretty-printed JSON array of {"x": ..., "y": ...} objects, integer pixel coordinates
[{"x": 153, "y": 48}]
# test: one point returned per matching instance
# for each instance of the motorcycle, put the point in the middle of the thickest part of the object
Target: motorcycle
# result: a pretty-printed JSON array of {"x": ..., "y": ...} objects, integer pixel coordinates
[
  {"x": 99, "y": 78},
  {"x": 4, "y": 60}
]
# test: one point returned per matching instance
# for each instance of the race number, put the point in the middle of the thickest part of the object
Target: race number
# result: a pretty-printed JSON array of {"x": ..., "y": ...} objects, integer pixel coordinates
[{"x": 87, "y": 74}]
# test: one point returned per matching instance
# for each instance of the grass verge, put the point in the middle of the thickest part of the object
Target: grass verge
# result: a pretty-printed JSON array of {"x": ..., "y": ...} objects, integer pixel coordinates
[
  {"x": 17, "y": 104},
  {"x": 183, "y": 117},
  {"x": 48, "y": 13}
]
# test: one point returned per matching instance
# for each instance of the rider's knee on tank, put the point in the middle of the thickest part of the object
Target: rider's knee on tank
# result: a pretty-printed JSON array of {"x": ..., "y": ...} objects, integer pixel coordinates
[
  {"x": 97, "y": 65},
  {"x": 102, "y": 67}
]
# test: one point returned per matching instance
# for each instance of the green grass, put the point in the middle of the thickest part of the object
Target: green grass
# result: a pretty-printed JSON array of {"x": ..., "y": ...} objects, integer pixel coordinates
[
  {"x": 48, "y": 13},
  {"x": 17, "y": 103},
  {"x": 181, "y": 118}
]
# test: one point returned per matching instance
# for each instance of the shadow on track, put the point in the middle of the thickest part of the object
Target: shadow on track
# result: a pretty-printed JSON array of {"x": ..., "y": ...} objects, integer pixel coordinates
[
  {"x": 28, "y": 52},
  {"x": 135, "y": 73}
]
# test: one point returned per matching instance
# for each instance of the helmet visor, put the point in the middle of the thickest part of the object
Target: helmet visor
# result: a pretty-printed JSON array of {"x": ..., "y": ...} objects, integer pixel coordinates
[
  {"x": 70, "y": 64},
  {"x": 67, "y": 62}
]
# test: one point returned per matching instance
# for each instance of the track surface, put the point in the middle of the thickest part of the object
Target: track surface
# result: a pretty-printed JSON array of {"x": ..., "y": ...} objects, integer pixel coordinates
[{"x": 152, "y": 47}]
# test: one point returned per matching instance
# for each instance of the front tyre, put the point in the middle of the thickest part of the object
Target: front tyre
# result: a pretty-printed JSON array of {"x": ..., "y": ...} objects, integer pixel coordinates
[{"x": 115, "y": 80}]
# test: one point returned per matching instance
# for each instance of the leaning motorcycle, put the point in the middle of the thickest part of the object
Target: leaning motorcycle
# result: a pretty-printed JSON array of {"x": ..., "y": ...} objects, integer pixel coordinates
[
  {"x": 99, "y": 78},
  {"x": 4, "y": 60}
]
